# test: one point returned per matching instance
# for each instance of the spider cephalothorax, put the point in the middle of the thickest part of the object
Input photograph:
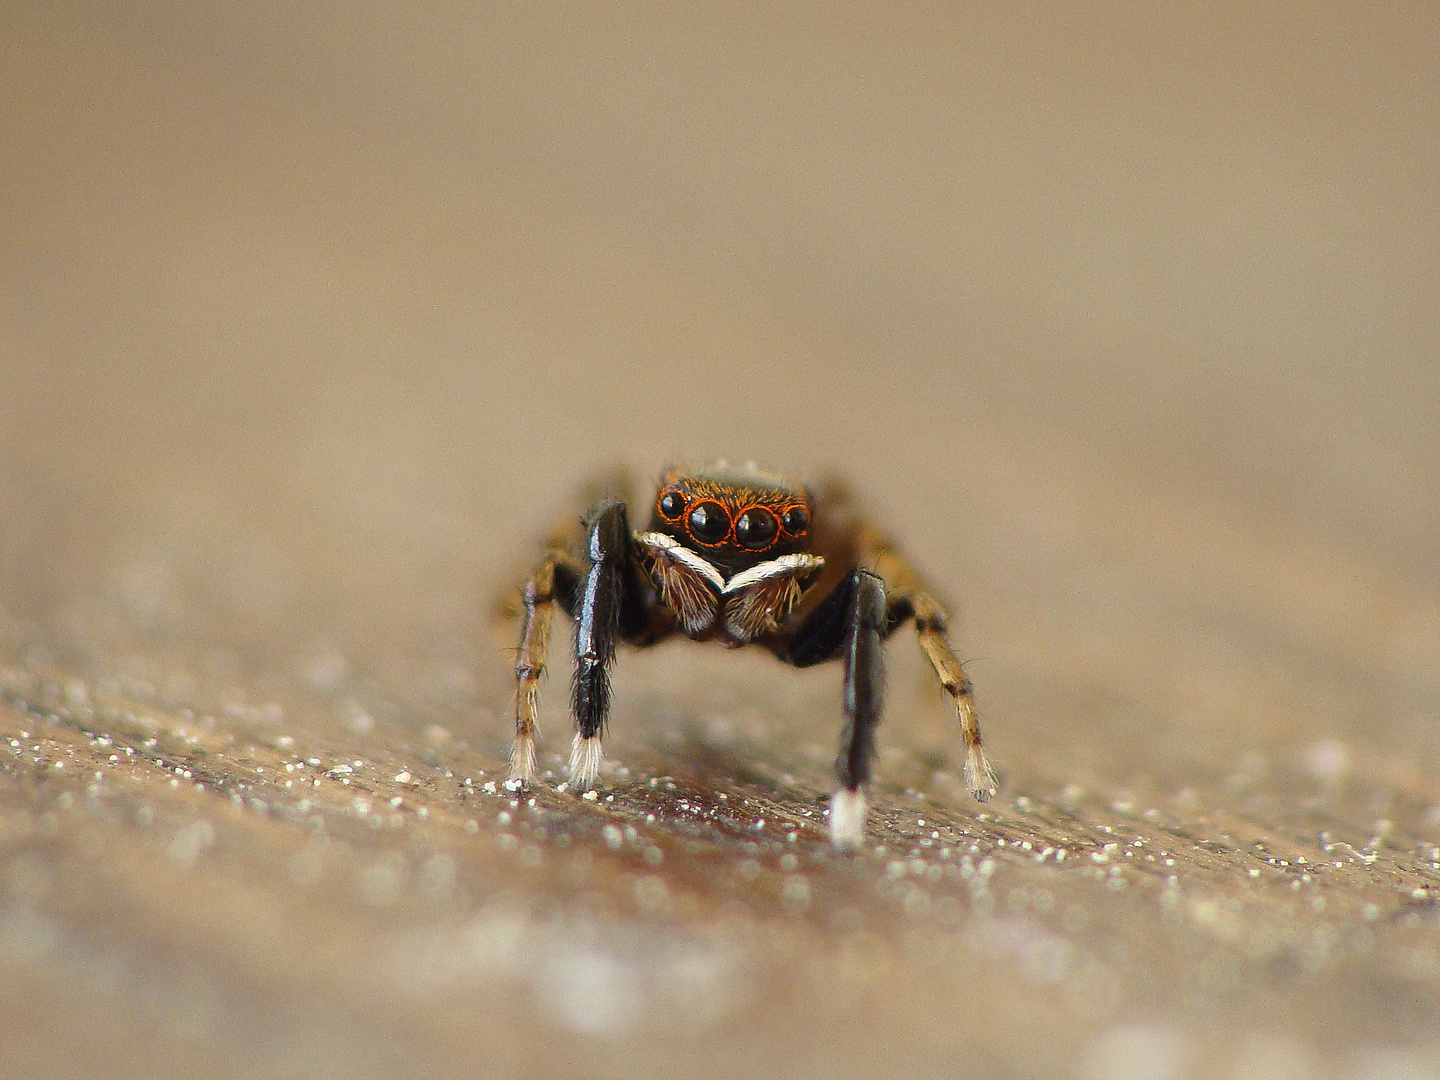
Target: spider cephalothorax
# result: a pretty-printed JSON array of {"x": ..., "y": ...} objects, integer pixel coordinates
[{"x": 741, "y": 557}]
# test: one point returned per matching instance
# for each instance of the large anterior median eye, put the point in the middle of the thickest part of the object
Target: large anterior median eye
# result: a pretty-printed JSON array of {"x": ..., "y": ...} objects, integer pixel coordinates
[
  {"x": 672, "y": 505},
  {"x": 756, "y": 528},
  {"x": 709, "y": 523}
]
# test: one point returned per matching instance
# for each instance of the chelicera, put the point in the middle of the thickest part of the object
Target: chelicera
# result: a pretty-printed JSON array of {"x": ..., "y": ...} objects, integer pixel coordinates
[{"x": 739, "y": 557}]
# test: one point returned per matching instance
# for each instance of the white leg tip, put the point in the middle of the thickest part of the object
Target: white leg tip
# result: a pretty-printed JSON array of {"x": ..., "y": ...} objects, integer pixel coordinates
[
  {"x": 586, "y": 757},
  {"x": 522, "y": 760},
  {"x": 847, "y": 818},
  {"x": 979, "y": 777}
]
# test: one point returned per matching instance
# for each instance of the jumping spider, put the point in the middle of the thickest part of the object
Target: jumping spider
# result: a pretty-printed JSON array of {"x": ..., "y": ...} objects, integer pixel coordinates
[{"x": 739, "y": 557}]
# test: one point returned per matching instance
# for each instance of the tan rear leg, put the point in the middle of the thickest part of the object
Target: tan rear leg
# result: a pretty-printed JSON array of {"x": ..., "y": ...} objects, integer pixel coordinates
[
  {"x": 903, "y": 586},
  {"x": 539, "y": 603},
  {"x": 930, "y": 626}
]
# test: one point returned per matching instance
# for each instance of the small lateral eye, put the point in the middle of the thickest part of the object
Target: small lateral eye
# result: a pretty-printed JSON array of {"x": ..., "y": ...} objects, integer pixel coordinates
[
  {"x": 709, "y": 523},
  {"x": 672, "y": 504},
  {"x": 796, "y": 520},
  {"x": 756, "y": 528}
]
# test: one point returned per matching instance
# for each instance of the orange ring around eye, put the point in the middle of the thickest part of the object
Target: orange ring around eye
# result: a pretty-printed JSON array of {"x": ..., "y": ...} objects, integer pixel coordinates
[
  {"x": 660, "y": 504},
  {"x": 757, "y": 528},
  {"x": 712, "y": 526},
  {"x": 796, "y": 520}
]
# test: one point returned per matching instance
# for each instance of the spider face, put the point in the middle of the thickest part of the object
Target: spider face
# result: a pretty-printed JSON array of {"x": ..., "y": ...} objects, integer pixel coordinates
[
  {"x": 733, "y": 522},
  {"x": 729, "y": 552}
]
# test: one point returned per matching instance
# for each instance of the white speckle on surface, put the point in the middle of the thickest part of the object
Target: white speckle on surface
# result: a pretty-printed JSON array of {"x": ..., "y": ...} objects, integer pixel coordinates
[
  {"x": 1137, "y": 1052},
  {"x": 357, "y": 719},
  {"x": 191, "y": 842},
  {"x": 325, "y": 671},
  {"x": 1328, "y": 761},
  {"x": 77, "y": 694},
  {"x": 795, "y": 893},
  {"x": 403, "y": 777},
  {"x": 149, "y": 593},
  {"x": 614, "y": 839}
]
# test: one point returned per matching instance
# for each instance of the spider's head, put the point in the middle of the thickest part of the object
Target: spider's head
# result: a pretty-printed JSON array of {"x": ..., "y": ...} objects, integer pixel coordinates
[{"x": 733, "y": 519}]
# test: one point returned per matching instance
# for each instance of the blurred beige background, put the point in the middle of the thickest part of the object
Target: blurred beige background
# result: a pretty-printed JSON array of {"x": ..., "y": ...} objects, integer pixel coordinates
[{"x": 1123, "y": 319}]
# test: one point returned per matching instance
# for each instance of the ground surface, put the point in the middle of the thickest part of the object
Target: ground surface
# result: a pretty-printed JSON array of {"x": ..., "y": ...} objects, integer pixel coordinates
[{"x": 310, "y": 322}]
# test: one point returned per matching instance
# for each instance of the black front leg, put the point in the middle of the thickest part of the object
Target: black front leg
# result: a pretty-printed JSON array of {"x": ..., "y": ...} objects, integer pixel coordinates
[
  {"x": 602, "y": 604},
  {"x": 850, "y": 623}
]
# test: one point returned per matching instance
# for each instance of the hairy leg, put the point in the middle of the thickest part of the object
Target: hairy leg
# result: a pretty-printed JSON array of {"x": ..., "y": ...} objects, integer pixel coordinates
[
  {"x": 538, "y": 597},
  {"x": 601, "y": 604}
]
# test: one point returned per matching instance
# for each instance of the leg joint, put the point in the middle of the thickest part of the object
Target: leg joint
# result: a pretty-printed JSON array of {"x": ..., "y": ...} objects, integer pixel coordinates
[{"x": 933, "y": 623}]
